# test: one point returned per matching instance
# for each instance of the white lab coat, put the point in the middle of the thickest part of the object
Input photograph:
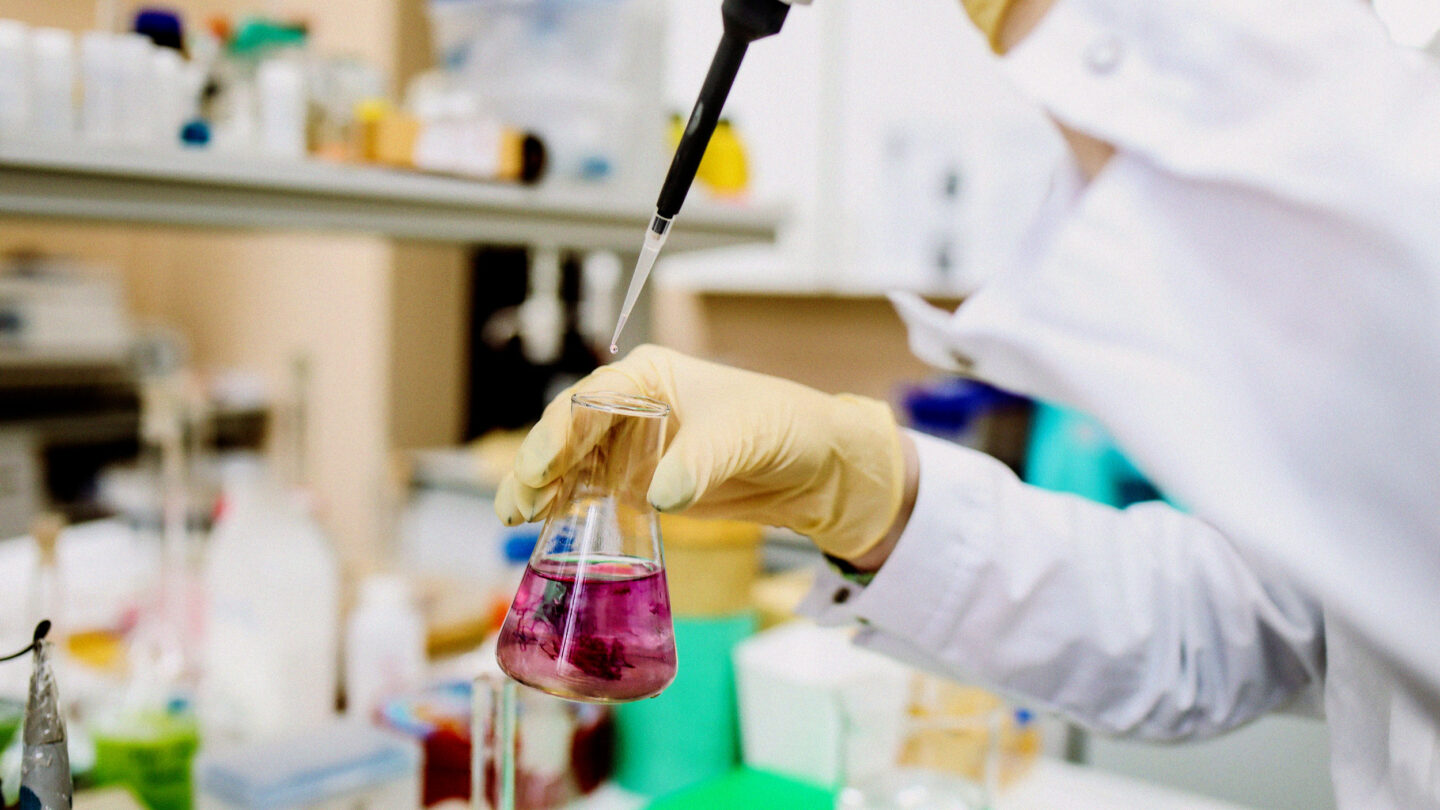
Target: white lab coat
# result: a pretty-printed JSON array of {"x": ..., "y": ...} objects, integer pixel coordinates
[{"x": 1248, "y": 296}]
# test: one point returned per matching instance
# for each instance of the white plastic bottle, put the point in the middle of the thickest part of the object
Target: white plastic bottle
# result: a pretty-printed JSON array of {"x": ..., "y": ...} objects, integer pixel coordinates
[
  {"x": 280, "y": 87},
  {"x": 100, "y": 87},
  {"x": 384, "y": 646},
  {"x": 52, "y": 77},
  {"x": 15, "y": 88},
  {"x": 135, "y": 81},
  {"x": 272, "y": 622}
]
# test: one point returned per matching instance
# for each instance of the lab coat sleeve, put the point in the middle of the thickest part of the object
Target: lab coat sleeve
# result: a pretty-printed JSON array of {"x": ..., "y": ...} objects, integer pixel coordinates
[
  {"x": 1246, "y": 296},
  {"x": 1307, "y": 100},
  {"x": 1142, "y": 622}
]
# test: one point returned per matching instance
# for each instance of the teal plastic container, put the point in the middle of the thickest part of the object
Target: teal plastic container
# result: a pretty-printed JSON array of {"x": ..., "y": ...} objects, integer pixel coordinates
[
  {"x": 1071, "y": 452},
  {"x": 689, "y": 733}
]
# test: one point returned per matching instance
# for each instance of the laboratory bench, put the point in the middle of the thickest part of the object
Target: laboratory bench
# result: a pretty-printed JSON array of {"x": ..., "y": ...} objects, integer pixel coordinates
[{"x": 1051, "y": 784}]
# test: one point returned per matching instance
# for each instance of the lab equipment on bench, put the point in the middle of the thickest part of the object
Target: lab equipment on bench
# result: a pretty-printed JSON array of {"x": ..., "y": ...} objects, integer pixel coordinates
[
  {"x": 802, "y": 682},
  {"x": 12, "y": 716},
  {"x": 272, "y": 623},
  {"x": 150, "y": 752},
  {"x": 343, "y": 765},
  {"x": 45, "y": 762},
  {"x": 559, "y": 750},
  {"x": 591, "y": 619},
  {"x": 384, "y": 645},
  {"x": 950, "y": 755},
  {"x": 690, "y": 733},
  {"x": 438, "y": 719},
  {"x": 745, "y": 21}
]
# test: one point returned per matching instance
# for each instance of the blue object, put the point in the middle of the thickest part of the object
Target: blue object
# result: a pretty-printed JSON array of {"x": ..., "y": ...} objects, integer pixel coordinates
[
  {"x": 162, "y": 26},
  {"x": 520, "y": 544},
  {"x": 595, "y": 167},
  {"x": 195, "y": 133},
  {"x": 949, "y": 407}
]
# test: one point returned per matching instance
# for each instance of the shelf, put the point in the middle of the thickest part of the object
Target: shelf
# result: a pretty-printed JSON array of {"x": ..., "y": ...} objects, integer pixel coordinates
[{"x": 80, "y": 181}]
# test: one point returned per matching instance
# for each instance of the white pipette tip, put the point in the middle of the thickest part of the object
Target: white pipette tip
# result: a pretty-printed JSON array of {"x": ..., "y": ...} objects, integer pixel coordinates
[{"x": 655, "y": 237}]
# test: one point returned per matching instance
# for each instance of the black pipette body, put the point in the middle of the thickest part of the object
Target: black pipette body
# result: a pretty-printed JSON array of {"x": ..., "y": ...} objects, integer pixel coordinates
[{"x": 745, "y": 22}]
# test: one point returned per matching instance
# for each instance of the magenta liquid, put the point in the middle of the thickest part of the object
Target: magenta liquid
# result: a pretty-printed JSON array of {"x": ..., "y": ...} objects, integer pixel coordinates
[{"x": 597, "y": 630}]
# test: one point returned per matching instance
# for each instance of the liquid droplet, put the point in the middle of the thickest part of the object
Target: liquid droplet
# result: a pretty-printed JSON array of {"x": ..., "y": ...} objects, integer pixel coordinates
[{"x": 614, "y": 348}]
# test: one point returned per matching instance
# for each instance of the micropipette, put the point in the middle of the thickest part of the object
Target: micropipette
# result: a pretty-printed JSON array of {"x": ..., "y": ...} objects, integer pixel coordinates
[{"x": 745, "y": 21}]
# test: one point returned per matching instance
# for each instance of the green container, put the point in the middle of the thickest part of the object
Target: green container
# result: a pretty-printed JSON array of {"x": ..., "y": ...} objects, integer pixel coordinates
[
  {"x": 752, "y": 790},
  {"x": 150, "y": 754},
  {"x": 12, "y": 716},
  {"x": 689, "y": 733}
]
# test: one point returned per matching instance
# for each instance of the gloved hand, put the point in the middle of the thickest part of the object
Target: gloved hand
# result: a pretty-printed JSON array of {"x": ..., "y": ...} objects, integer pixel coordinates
[{"x": 738, "y": 445}]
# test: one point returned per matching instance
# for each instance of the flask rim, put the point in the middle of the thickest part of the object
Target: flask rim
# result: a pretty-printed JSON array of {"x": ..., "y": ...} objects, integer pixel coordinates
[{"x": 622, "y": 404}]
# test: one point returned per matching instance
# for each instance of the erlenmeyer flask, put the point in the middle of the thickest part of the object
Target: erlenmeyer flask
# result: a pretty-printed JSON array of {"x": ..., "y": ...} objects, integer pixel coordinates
[{"x": 591, "y": 619}]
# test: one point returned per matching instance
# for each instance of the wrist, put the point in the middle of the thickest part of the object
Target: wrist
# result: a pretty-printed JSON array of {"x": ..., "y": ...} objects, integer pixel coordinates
[{"x": 871, "y": 559}]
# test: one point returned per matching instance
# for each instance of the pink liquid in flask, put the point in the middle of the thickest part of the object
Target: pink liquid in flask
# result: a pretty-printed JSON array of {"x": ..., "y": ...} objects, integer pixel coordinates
[{"x": 595, "y": 629}]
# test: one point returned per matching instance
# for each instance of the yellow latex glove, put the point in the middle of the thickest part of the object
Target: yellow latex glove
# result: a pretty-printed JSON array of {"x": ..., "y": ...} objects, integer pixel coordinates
[
  {"x": 738, "y": 445},
  {"x": 989, "y": 17}
]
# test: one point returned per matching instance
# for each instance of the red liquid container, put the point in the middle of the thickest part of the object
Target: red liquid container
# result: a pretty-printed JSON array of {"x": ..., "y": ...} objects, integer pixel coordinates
[
  {"x": 597, "y": 630},
  {"x": 591, "y": 619}
]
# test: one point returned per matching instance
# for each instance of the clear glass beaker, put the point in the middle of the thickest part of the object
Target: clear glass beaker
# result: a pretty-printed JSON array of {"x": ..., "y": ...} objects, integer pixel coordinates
[
  {"x": 958, "y": 746},
  {"x": 532, "y": 751},
  {"x": 591, "y": 619}
]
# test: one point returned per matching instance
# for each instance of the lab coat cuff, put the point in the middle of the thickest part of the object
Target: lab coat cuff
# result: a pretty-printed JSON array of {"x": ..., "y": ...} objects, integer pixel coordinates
[{"x": 919, "y": 590}]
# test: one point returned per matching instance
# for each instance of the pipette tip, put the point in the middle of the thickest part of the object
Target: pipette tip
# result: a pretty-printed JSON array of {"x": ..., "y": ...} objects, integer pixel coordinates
[
  {"x": 655, "y": 237},
  {"x": 619, "y": 327}
]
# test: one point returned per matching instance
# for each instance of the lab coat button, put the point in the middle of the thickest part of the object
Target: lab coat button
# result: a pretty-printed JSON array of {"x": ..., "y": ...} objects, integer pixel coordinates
[
  {"x": 842, "y": 595},
  {"x": 1104, "y": 55}
]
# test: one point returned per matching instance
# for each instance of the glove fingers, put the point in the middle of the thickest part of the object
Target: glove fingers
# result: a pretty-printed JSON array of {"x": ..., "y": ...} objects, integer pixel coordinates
[
  {"x": 505, "y": 507},
  {"x": 695, "y": 462},
  {"x": 516, "y": 503}
]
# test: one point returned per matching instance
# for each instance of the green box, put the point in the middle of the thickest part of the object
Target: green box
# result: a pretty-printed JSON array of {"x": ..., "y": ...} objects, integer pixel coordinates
[
  {"x": 750, "y": 789},
  {"x": 690, "y": 732}
]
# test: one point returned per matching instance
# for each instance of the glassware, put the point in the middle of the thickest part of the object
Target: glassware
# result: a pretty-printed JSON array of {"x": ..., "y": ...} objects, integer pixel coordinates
[
  {"x": 591, "y": 619},
  {"x": 960, "y": 744},
  {"x": 532, "y": 751}
]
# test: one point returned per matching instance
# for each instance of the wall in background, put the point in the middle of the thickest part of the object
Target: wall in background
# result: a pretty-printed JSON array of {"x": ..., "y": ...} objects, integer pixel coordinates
[
  {"x": 821, "y": 107},
  {"x": 838, "y": 344},
  {"x": 380, "y": 321},
  {"x": 258, "y": 301},
  {"x": 429, "y": 326}
]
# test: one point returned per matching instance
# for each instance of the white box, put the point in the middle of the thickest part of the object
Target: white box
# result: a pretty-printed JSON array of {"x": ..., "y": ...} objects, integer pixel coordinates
[{"x": 815, "y": 707}]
